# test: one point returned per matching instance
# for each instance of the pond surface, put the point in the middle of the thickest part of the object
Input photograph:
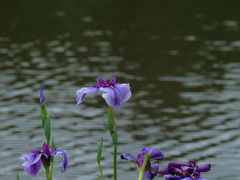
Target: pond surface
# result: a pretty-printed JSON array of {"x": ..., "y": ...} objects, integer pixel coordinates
[{"x": 180, "y": 58}]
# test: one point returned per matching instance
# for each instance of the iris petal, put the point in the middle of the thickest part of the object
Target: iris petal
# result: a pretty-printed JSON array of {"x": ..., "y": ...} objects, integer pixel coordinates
[
  {"x": 148, "y": 175},
  {"x": 64, "y": 158},
  {"x": 31, "y": 163},
  {"x": 171, "y": 177},
  {"x": 204, "y": 168},
  {"x": 109, "y": 95},
  {"x": 46, "y": 149},
  {"x": 101, "y": 82},
  {"x": 190, "y": 178},
  {"x": 81, "y": 93},
  {"x": 140, "y": 160},
  {"x": 151, "y": 172},
  {"x": 112, "y": 81},
  {"x": 123, "y": 91},
  {"x": 35, "y": 151},
  {"x": 35, "y": 158},
  {"x": 116, "y": 95},
  {"x": 155, "y": 168},
  {"x": 128, "y": 157},
  {"x": 164, "y": 171},
  {"x": 155, "y": 154}
]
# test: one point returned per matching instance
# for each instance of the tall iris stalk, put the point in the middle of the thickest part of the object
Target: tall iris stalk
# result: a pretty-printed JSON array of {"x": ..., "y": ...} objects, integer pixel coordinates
[
  {"x": 44, "y": 158},
  {"x": 112, "y": 125},
  {"x": 115, "y": 95}
]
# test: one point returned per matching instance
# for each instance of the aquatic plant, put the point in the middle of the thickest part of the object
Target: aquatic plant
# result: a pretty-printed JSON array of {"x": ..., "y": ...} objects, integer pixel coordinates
[
  {"x": 34, "y": 162},
  {"x": 44, "y": 158},
  {"x": 143, "y": 162},
  {"x": 115, "y": 95}
]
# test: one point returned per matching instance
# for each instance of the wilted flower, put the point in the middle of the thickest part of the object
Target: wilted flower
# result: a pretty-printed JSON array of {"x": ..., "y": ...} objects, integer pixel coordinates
[
  {"x": 115, "y": 94},
  {"x": 150, "y": 171},
  {"x": 34, "y": 162},
  {"x": 184, "y": 171}
]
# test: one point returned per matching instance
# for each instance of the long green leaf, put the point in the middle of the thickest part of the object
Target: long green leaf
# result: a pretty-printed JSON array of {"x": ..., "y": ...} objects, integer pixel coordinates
[
  {"x": 53, "y": 145},
  {"x": 99, "y": 157},
  {"x": 47, "y": 128},
  {"x": 18, "y": 178},
  {"x": 99, "y": 152}
]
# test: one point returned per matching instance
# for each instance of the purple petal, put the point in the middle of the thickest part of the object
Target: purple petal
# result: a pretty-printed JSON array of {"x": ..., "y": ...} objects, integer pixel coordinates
[
  {"x": 116, "y": 95},
  {"x": 148, "y": 175},
  {"x": 155, "y": 168},
  {"x": 31, "y": 163},
  {"x": 81, "y": 93},
  {"x": 35, "y": 151},
  {"x": 195, "y": 174},
  {"x": 187, "y": 170},
  {"x": 204, "y": 168},
  {"x": 101, "y": 82},
  {"x": 175, "y": 168},
  {"x": 42, "y": 98},
  {"x": 164, "y": 171},
  {"x": 46, "y": 149},
  {"x": 110, "y": 96},
  {"x": 192, "y": 163},
  {"x": 155, "y": 154},
  {"x": 123, "y": 91},
  {"x": 171, "y": 177},
  {"x": 128, "y": 157},
  {"x": 140, "y": 160},
  {"x": 190, "y": 178},
  {"x": 151, "y": 172},
  {"x": 35, "y": 158},
  {"x": 64, "y": 158},
  {"x": 112, "y": 81}
]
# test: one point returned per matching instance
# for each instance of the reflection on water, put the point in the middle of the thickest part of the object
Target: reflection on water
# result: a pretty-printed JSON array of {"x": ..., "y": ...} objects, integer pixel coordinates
[{"x": 183, "y": 68}]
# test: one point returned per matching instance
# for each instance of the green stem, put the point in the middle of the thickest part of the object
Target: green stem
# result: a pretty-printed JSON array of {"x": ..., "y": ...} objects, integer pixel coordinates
[
  {"x": 112, "y": 125},
  {"x": 51, "y": 175},
  {"x": 47, "y": 173},
  {"x": 46, "y": 167},
  {"x": 100, "y": 168},
  {"x": 147, "y": 157},
  {"x": 115, "y": 161},
  {"x": 137, "y": 167}
]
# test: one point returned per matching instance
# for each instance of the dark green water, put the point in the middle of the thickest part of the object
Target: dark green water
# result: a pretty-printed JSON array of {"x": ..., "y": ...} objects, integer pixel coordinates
[{"x": 181, "y": 59}]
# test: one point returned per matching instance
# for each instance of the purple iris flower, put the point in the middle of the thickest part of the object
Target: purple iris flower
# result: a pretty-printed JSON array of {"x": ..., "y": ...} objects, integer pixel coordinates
[
  {"x": 115, "y": 94},
  {"x": 42, "y": 98},
  {"x": 184, "y": 171},
  {"x": 34, "y": 162},
  {"x": 150, "y": 171}
]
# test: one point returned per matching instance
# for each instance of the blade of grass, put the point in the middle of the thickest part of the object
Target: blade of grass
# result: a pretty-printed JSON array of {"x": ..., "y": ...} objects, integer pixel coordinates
[{"x": 99, "y": 157}]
